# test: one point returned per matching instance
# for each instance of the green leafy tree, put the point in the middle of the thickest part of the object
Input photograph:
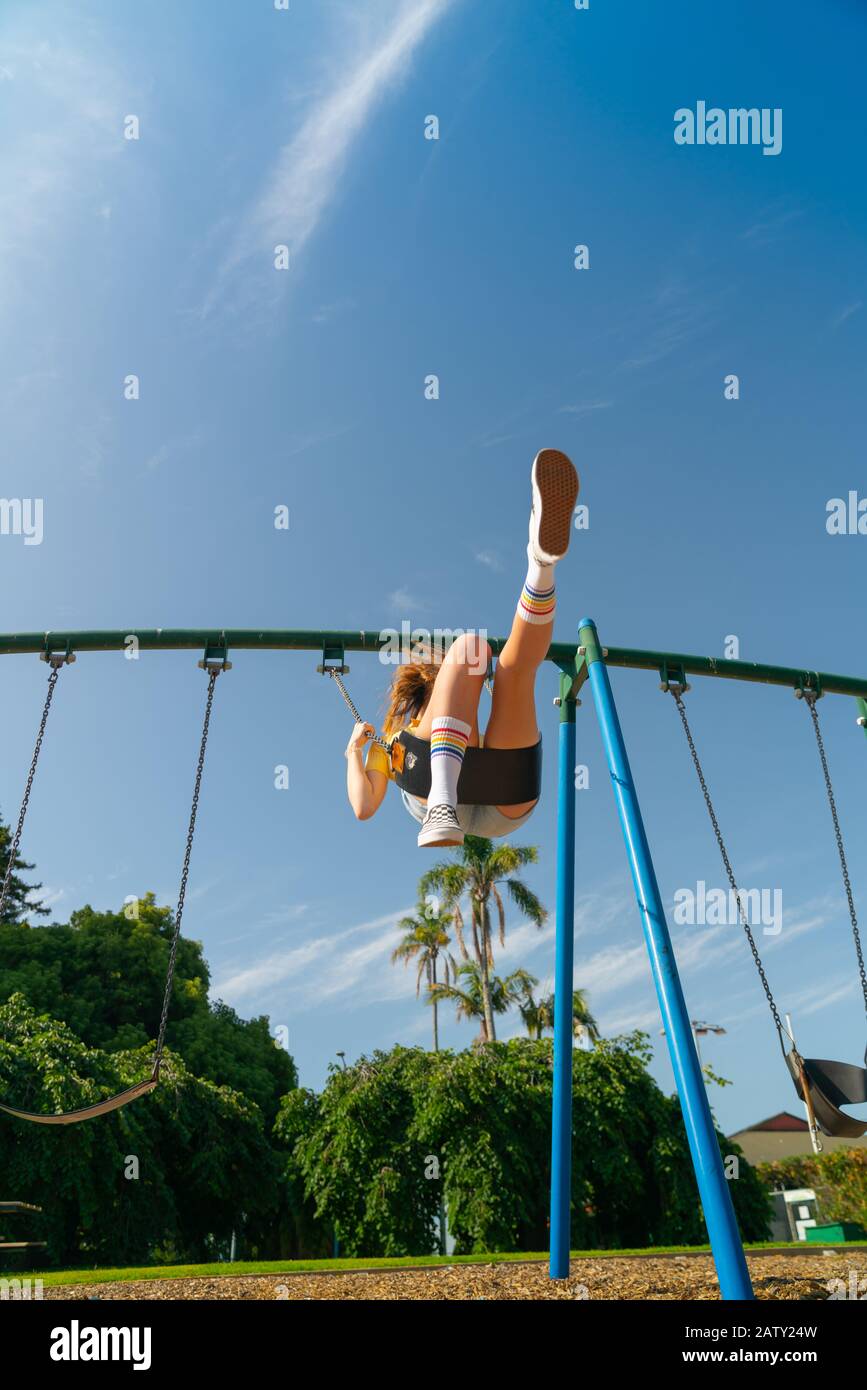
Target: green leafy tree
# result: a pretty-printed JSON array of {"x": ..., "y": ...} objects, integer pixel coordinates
[
  {"x": 217, "y": 1044},
  {"x": 20, "y": 903},
  {"x": 425, "y": 940},
  {"x": 201, "y": 1153},
  {"x": 103, "y": 974},
  {"x": 387, "y": 1137},
  {"x": 479, "y": 873},
  {"x": 354, "y": 1152}
]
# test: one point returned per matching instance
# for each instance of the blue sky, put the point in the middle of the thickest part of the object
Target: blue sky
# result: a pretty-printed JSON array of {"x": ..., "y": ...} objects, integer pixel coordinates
[{"x": 306, "y": 387}]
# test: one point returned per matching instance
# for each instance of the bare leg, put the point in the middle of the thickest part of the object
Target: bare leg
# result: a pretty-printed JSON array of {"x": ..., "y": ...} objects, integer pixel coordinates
[
  {"x": 513, "y": 712},
  {"x": 513, "y": 721},
  {"x": 458, "y": 686}
]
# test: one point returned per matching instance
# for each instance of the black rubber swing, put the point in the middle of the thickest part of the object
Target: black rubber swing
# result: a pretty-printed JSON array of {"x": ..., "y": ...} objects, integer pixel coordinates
[
  {"x": 489, "y": 776},
  {"x": 828, "y": 1086},
  {"x": 213, "y": 666},
  {"x": 823, "y": 1086}
]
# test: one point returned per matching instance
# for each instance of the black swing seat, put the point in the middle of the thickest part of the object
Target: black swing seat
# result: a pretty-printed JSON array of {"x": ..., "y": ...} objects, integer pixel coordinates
[
  {"x": 88, "y": 1112},
  {"x": 831, "y": 1084},
  {"x": 489, "y": 776}
]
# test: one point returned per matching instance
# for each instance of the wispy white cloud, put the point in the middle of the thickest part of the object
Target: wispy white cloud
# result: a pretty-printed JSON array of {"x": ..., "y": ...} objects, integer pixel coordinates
[
  {"x": 490, "y": 559},
  {"x": 323, "y": 966},
  {"x": 60, "y": 129},
  {"x": 823, "y": 995},
  {"x": 494, "y": 439},
  {"x": 629, "y": 1019},
  {"x": 771, "y": 222},
  {"x": 173, "y": 449},
  {"x": 677, "y": 313},
  {"x": 50, "y": 897},
  {"x": 846, "y": 313},
  {"x": 327, "y": 313},
  {"x": 95, "y": 442},
  {"x": 585, "y": 407},
  {"x": 403, "y": 602},
  {"x": 313, "y": 439},
  {"x": 306, "y": 175}
]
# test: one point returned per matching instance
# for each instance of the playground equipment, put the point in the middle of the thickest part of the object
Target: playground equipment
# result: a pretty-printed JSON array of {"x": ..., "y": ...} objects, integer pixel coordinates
[
  {"x": 591, "y": 666},
  {"x": 824, "y": 1085},
  {"x": 56, "y": 660}
]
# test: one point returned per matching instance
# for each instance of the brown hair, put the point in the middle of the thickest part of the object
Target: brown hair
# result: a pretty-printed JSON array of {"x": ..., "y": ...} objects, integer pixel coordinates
[{"x": 408, "y": 694}]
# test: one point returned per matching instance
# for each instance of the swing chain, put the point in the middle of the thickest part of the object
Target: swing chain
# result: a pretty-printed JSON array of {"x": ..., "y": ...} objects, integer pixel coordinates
[
  {"x": 810, "y": 697},
  {"x": 16, "y": 839},
  {"x": 335, "y": 676},
  {"x": 676, "y": 693},
  {"x": 213, "y": 672}
]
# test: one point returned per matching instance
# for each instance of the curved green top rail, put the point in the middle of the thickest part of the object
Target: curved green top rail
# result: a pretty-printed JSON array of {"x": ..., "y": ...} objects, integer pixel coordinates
[{"x": 334, "y": 642}]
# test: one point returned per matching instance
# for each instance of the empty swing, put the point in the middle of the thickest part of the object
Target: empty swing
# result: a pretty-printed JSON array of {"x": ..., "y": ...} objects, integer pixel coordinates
[
  {"x": 822, "y": 1085},
  {"x": 213, "y": 666}
]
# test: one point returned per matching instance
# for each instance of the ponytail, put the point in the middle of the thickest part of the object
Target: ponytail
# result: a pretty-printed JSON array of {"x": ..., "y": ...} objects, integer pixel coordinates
[{"x": 409, "y": 692}]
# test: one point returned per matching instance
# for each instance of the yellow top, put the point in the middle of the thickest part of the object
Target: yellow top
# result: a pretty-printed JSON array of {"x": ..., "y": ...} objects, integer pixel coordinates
[{"x": 377, "y": 758}]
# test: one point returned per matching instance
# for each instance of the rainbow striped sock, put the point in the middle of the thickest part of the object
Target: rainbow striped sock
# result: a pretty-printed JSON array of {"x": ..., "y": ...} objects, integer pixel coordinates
[
  {"x": 537, "y": 601},
  {"x": 448, "y": 744}
]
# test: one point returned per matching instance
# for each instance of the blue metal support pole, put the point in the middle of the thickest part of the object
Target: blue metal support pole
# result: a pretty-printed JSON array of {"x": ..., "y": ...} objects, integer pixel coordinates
[
  {"x": 561, "y": 1113},
  {"x": 728, "y": 1251}
]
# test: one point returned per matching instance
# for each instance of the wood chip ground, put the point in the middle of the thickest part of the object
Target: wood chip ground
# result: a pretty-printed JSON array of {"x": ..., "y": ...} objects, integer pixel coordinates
[{"x": 677, "y": 1277}]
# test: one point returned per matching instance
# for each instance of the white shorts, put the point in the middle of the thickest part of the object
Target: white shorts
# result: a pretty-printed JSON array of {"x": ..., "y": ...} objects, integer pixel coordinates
[{"x": 485, "y": 821}]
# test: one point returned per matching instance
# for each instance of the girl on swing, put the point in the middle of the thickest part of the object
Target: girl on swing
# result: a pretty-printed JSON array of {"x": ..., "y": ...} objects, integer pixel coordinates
[{"x": 440, "y": 703}]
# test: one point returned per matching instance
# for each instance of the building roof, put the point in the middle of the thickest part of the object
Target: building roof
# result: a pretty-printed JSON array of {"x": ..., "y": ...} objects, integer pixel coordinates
[{"x": 783, "y": 1122}]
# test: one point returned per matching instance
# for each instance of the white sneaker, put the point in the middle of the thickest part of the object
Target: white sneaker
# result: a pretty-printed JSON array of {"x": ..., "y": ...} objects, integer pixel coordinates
[
  {"x": 555, "y": 490},
  {"x": 440, "y": 827}
]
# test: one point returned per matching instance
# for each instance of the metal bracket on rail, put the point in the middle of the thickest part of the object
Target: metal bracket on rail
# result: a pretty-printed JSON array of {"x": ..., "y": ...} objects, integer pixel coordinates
[
  {"x": 216, "y": 657},
  {"x": 57, "y": 657},
  {"x": 809, "y": 687},
  {"x": 672, "y": 677},
  {"x": 332, "y": 659}
]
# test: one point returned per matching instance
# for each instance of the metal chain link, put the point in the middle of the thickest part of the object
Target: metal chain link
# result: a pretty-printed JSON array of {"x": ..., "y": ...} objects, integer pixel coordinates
[
  {"x": 676, "y": 693},
  {"x": 374, "y": 738},
  {"x": 810, "y": 697},
  {"x": 182, "y": 893},
  {"x": 16, "y": 839}
]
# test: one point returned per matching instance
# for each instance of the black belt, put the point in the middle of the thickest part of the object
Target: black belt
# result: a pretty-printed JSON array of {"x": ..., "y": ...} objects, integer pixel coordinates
[{"x": 489, "y": 776}]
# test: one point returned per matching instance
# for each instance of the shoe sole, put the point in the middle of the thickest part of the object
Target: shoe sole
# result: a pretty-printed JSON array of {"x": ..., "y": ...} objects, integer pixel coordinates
[
  {"x": 555, "y": 486},
  {"x": 441, "y": 842}
]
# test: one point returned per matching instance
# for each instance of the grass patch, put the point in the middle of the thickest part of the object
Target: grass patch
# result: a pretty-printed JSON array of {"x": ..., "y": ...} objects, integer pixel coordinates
[{"x": 53, "y": 1278}]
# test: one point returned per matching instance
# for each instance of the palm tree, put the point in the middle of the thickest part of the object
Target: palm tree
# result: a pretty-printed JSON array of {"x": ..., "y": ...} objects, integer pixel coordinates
[
  {"x": 477, "y": 873},
  {"x": 538, "y": 1014},
  {"x": 584, "y": 1025},
  {"x": 469, "y": 996},
  {"x": 426, "y": 938}
]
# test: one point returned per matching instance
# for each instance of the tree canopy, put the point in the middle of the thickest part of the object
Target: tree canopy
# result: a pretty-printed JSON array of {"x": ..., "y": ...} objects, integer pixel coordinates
[
  {"x": 103, "y": 974},
  {"x": 391, "y": 1135},
  {"x": 20, "y": 902},
  {"x": 165, "y": 1178}
]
